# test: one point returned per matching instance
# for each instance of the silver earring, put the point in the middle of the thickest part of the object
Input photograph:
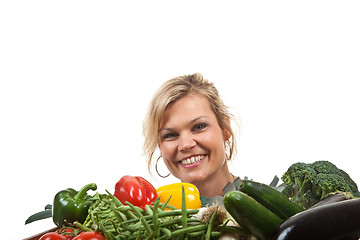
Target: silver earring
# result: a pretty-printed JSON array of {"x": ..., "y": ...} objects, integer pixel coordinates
[{"x": 156, "y": 168}]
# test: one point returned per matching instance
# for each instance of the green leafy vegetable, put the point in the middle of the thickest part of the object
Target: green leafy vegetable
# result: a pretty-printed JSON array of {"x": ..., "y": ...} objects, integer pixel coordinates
[{"x": 308, "y": 183}]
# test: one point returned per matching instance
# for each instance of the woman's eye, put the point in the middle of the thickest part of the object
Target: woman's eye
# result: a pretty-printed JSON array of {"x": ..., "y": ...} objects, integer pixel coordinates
[
  {"x": 200, "y": 126},
  {"x": 169, "y": 136}
]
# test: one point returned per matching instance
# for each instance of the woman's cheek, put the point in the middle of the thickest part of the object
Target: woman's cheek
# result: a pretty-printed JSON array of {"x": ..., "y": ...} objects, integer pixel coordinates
[{"x": 167, "y": 150}]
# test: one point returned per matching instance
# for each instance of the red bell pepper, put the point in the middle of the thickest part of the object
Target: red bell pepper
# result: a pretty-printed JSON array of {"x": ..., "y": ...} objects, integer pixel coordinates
[{"x": 135, "y": 190}]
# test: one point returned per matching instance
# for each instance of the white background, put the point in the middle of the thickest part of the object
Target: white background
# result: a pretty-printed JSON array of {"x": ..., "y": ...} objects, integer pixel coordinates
[{"x": 77, "y": 76}]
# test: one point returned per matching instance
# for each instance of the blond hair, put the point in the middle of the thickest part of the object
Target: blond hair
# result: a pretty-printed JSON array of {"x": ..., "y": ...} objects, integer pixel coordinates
[{"x": 173, "y": 90}]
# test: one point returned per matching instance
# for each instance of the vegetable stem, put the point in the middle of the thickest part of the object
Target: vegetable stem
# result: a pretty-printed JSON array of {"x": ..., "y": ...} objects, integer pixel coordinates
[{"x": 210, "y": 225}]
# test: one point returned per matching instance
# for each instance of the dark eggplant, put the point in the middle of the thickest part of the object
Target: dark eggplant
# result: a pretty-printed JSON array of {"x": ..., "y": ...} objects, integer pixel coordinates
[
  {"x": 334, "y": 197},
  {"x": 339, "y": 220}
]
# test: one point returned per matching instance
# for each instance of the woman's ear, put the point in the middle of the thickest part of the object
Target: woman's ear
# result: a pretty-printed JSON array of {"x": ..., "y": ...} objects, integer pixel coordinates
[{"x": 226, "y": 132}]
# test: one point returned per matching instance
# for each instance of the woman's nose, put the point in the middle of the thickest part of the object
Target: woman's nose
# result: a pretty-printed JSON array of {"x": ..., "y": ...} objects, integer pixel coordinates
[{"x": 186, "y": 142}]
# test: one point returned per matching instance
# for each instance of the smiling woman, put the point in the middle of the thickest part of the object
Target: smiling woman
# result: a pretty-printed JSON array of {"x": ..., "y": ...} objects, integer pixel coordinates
[{"x": 190, "y": 125}]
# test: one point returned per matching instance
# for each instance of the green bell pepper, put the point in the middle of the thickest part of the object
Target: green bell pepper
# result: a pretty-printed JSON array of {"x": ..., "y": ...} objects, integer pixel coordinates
[{"x": 70, "y": 205}]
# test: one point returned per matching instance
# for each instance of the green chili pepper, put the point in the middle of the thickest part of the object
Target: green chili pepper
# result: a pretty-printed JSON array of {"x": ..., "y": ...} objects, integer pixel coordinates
[{"x": 70, "y": 206}]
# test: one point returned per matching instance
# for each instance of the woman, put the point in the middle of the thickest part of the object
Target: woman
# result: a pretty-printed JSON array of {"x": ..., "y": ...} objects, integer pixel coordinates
[{"x": 190, "y": 125}]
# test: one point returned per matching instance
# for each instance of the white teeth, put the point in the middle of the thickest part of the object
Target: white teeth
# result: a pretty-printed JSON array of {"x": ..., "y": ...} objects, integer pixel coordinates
[{"x": 192, "y": 160}]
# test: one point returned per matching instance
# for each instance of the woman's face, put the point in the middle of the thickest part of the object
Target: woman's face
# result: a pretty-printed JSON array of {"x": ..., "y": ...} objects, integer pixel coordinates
[{"x": 191, "y": 140}]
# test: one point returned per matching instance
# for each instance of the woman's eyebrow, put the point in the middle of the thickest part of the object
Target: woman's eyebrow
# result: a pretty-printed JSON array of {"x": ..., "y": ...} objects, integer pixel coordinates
[
  {"x": 197, "y": 119},
  {"x": 191, "y": 122},
  {"x": 165, "y": 129}
]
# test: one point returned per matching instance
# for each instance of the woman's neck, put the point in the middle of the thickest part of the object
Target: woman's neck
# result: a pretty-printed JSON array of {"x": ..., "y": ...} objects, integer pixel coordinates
[{"x": 215, "y": 184}]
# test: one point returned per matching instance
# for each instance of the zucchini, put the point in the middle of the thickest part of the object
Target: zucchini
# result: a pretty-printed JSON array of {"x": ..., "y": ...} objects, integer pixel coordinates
[
  {"x": 339, "y": 220},
  {"x": 270, "y": 198},
  {"x": 251, "y": 215}
]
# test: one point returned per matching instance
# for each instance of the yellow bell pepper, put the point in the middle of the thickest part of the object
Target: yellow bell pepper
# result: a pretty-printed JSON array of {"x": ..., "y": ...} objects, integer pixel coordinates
[{"x": 192, "y": 195}]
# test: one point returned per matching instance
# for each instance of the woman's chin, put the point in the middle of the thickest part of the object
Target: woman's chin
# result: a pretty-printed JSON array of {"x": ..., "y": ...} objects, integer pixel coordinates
[{"x": 194, "y": 178}]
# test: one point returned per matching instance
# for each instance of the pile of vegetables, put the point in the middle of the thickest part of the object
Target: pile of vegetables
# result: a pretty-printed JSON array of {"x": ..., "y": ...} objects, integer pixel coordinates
[
  {"x": 266, "y": 213},
  {"x": 136, "y": 210},
  {"x": 258, "y": 208},
  {"x": 118, "y": 221}
]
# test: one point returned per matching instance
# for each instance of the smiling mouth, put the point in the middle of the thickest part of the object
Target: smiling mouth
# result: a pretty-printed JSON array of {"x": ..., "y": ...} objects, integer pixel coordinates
[{"x": 192, "y": 160}]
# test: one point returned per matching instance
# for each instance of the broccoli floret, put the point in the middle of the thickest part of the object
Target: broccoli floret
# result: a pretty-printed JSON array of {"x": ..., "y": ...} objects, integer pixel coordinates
[
  {"x": 353, "y": 186},
  {"x": 324, "y": 167},
  {"x": 328, "y": 183},
  {"x": 308, "y": 183}
]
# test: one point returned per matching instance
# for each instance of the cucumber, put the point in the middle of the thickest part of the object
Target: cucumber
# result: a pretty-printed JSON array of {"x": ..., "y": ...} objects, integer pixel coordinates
[
  {"x": 270, "y": 198},
  {"x": 251, "y": 215}
]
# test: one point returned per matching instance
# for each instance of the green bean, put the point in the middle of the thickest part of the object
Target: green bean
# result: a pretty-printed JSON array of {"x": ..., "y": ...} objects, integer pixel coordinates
[
  {"x": 210, "y": 225},
  {"x": 179, "y": 232},
  {"x": 197, "y": 234},
  {"x": 166, "y": 205},
  {"x": 163, "y": 205},
  {"x": 146, "y": 225},
  {"x": 132, "y": 207},
  {"x": 156, "y": 222},
  {"x": 165, "y": 214},
  {"x": 118, "y": 215},
  {"x": 148, "y": 210},
  {"x": 106, "y": 233},
  {"x": 151, "y": 236},
  {"x": 171, "y": 224},
  {"x": 117, "y": 201},
  {"x": 183, "y": 208},
  {"x": 127, "y": 234},
  {"x": 122, "y": 207},
  {"x": 126, "y": 212},
  {"x": 178, "y": 220},
  {"x": 81, "y": 227},
  {"x": 215, "y": 234},
  {"x": 142, "y": 219},
  {"x": 166, "y": 231},
  {"x": 138, "y": 237},
  {"x": 132, "y": 227}
]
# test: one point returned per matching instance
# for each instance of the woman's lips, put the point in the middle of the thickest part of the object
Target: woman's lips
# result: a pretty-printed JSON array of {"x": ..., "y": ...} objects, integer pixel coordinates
[{"x": 192, "y": 161}]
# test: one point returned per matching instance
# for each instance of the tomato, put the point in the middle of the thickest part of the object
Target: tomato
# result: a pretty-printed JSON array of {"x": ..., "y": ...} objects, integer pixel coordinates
[
  {"x": 52, "y": 236},
  {"x": 89, "y": 236}
]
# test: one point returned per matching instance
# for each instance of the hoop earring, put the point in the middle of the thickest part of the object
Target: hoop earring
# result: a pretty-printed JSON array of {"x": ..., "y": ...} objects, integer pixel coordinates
[{"x": 156, "y": 168}]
